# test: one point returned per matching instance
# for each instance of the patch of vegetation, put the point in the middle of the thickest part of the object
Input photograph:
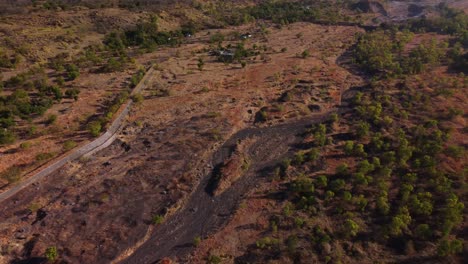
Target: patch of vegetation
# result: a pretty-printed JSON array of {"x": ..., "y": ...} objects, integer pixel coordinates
[
  {"x": 51, "y": 254},
  {"x": 11, "y": 175},
  {"x": 157, "y": 219},
  {"x": 68, "y": 145},
  {"x": 137, "y": 77},
  {"x": 196, "y": 241},
  {"x": 383, "y": 53},
  {"x": 45, "y": 156},
  {"x": 95, "y": 128}
]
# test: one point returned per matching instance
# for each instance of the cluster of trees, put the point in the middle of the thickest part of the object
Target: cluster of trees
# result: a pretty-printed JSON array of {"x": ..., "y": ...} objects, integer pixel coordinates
[
  {"x": 21, "y": 104},
  {"x": 450, "y": 21},
  {"x": 285, "y": 12},
  {"x": 396, "y": 188},
  {"x": 147, "y": 36},
  {"x": 32, "y": 94},
  {"x": 453, "y": 22},
  {"x": 383, "y": 52},
  {"x": 280, "y": 12}
]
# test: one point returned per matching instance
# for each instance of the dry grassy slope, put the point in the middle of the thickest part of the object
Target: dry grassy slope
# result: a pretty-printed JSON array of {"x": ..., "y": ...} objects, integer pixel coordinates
[
  {"x": 46, "y": 34},
  {"x": 42, "y": 35},
  {"x": 110, "y": 199}
]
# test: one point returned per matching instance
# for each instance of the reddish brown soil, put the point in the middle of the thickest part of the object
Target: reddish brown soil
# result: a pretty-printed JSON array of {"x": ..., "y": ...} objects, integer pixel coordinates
[{"x": 94, "y": 210}]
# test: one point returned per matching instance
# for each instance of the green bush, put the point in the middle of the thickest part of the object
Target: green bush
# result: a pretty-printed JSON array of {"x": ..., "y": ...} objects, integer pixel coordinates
[
  {"x": 6, "y": 136},
  {"x": 51, "y": 119},
  {"x": 25, "y": 145},
  {"x": 137, "y": 77},
  {"x": 423, "y": 231},
  {"x": 200, "y": 64},
  {"x": 51, "y": 254},
  {"x": 137, "y": 98},
  {"x": 11, "y": 175},
  {"x": 213, "y": 259},
  {"x": 94, "y": 128},
  {"x": 157, "y": 219},
  {"x": 72, "y": 71},
  {"x": 449, "y": 247},
  {"x": 68, "y": 145},
  {"x": 196, "y": 241},
  {"x": 72, "y": 93},
  {"x": 351, "y": 228},
  {"x": 44, "y": 156},
  {"x": 267, "y": 242}
]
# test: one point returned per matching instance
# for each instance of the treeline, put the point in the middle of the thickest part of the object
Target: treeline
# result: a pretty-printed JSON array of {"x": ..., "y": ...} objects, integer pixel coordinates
[
  {"x": 23, "y": 6},
  {"x": 285, "y": 12},
  {"x": 147, "y": 36},
  {"x": 281, "y": 12}
]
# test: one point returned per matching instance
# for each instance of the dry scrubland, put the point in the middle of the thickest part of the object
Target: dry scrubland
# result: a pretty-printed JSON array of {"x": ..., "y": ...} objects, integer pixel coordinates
[{"x": 278, "y": 133}]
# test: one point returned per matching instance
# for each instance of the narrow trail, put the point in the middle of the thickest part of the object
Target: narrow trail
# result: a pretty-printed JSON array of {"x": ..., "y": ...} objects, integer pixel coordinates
[{"x": 203, "y": 213}]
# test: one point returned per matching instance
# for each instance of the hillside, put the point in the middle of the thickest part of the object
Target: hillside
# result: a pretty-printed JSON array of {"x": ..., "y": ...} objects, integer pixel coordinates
[{"x": 264, "y": 131}]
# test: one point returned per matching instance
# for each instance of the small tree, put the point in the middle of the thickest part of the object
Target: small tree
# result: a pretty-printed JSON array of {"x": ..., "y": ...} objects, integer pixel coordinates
[
  {"x": 351, "y": 228},
  {"x": 423, "y": 231},
  {"x": 138, "y": 98},
  {"x": 349, "y": 147},
  {"x": 157, "y": 219},
  {"x": 51, "y": 254},
  {"x": 95, "y": 128},
  {"x": 72, "y": 71},
  {"x": 200, "y": 64},
  {"x": 72, "y": 93},
  {"x": 51, "y": 119},
  {"x": 197, "y": 241},
  {"x": 447, "y": 248}
]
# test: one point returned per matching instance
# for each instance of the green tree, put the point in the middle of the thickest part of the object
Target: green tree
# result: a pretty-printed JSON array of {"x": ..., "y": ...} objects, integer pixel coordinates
[
  {"x": 200, "y": 64},
  {"x": 51, "y": 254},
  {"x": 382, "y": 203},
  {"x": 400, "y": 222},
  {"x": 95, "y": 128},
  {"x": 423, "y": 231},
  {"x": 72, "y": 93},
  {"x": 349, "y": 147},
  {"x": 351, "y": 228},
  {"x": 449, "y": 247},
  {"x": 321, "y": 181},
  {"x": 72, "y": 71}
]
